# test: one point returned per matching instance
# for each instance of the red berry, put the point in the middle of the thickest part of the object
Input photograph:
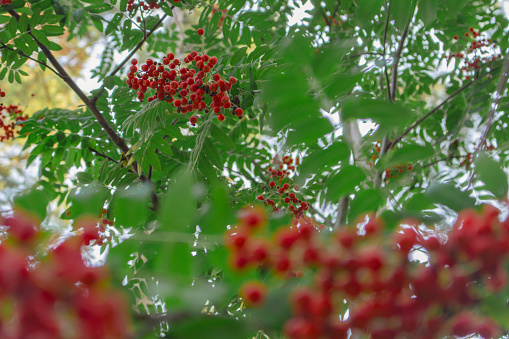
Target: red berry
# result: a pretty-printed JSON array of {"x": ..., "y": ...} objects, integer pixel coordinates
[
  {"x": 254, "y": 293},
  {"x": 200, "y": 31},
  {"x": 252, "y": 217},
  {"x": 193, "y": 120}
]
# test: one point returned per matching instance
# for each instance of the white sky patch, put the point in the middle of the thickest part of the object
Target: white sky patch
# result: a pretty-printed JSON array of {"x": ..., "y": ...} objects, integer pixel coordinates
[{"x": 300, "y": 14}]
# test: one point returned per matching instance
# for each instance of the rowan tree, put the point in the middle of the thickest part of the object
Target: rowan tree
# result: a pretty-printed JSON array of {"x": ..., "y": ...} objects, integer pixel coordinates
[{"x": 259, "y": 169}]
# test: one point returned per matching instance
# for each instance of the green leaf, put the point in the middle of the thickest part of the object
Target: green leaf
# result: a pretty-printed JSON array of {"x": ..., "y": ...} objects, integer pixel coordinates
[
  {"x": 418, "y": 202},
  {"x": 234, "y": 33},
  {"x": 178, "y": 206},
  {"x": 365, "y": 201},
  {"x": 388, "y": 115},
  {"x": 114, "y": 24},
  {"x": 99, "y": 24},
  {"x": 411, "y": 153},
  {"x": 212, "y": 153},
  {"x": 401, "y": 10},
  {"x": 151, "y": 158},
  {"x": 52, "y": 30},
  {"x": 221, "y": 136},
  {"x": 491, "y": 173},
  {"x": 35, "y": 203},
  {"x": 210, "y": 327},
  {"x": 317, "y": 160},
  {"x": 41, "y": 36},
  {"x": 340, "y": 83},
  {"x": 98, "y": 8},
  {"x": 166, "y": 8},
  {"x": 344, "y": 182},
  {"x": 109, "y": 82},
  {"x": 131, "y": 205},
  {"x": 238, "y": 55},
  {"x": 89, "y": 201},
  {"x": 178, "y": 261},
  {"x": 450, "y": 196},
  {"x": 495, "y": 306},
  {"x": 292, "y": 104},
  {"x": 428, "y": 11},
  {"x": 220, "y": 213},
  {"x": 454, "y": 7}
]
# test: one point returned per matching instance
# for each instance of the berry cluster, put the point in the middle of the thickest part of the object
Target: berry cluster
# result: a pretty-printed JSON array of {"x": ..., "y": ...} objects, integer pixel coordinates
[
  {"x": 479, "y": 51},
  {"x": 55, "y": 296},
  {"x": 469, "y": 158},
  {"x": 143, "y": 6},
  {"x": 332, "y": 20},
  {"x": 9, "y": 118},
  {"x": 388, "y": 296},
  {"x": 396, "y": 170},
  {"x": 281, "y": 190},
  {"x": 5, "y": 2},
  {"x": 192, "y": 88}
]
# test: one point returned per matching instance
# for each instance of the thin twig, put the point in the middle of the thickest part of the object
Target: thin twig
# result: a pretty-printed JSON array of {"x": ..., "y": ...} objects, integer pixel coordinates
[
  {"x": 443, "y": 159},
  {"x": 102, "y": 155},
  {"x": 494, "y": 106},
  {"x": 29, "y": 57},
  {"x": 397, "y": 58},
  {"x": 327, "y": 21},
  {"x": 430, "y": 113},
  {"x": 364, "y": 53},
  {"x": 393, "y": 91},
  {"x": 129, "y": 56},
  {"x": 387, "y": 9}
]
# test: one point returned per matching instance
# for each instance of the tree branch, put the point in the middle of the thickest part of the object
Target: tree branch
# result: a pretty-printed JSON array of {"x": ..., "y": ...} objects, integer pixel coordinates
[
  {"x": 112, "y": 134},
  {"x": 342, "y": 209},
  {"x": 117, "y": 140},
  {"x": 443, "y": 159},
  {"x": 387, "y": 9},
  {"x": 128, "y": 57},
  {"x": 392, "y": 89}
]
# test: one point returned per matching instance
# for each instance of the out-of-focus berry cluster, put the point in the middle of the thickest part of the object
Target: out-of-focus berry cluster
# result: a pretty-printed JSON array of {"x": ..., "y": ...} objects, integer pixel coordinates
[
  {"x": 474, "y": 50},
  {"x": 55, "y": 295},
  {"x": 10, "y": 116},
  {"x": 388, "y": 296}
]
